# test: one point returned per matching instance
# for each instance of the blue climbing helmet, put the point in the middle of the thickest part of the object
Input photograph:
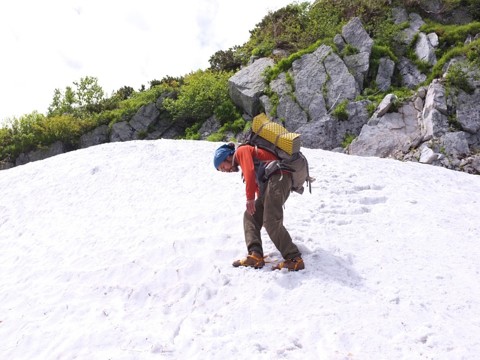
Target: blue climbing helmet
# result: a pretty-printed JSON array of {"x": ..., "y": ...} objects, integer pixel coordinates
[{"x": 222, "y": 153}]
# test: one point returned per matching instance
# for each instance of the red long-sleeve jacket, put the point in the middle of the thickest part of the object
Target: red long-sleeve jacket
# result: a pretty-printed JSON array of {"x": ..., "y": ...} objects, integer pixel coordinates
[{"x": 244, "y": 156}]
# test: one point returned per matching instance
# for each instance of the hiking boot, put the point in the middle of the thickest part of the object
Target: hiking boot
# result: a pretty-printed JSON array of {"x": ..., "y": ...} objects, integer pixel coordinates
[
  {"x": 294, "y": 264},
  {"x": 253, "y": 259}
]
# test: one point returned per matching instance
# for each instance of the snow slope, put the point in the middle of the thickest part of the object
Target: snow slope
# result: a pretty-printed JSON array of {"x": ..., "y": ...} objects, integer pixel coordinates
[{"x": 124, "y": 251}]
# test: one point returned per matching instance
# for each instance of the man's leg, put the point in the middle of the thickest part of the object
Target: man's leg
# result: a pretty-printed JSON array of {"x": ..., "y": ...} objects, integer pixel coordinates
[
  {"x": 252, "y": 224},
  {"x": 276, "y": 194}
]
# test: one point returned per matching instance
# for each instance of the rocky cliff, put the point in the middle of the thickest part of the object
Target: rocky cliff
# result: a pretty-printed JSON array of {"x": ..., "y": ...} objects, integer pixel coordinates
[{"x": 439, "y": 124}]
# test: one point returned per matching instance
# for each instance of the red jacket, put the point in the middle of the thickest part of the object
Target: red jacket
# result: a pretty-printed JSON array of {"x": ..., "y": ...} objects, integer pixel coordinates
[{"x": 244, "y": 156}]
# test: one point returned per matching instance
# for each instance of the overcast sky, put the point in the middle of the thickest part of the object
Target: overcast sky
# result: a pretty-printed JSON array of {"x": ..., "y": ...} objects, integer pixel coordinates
[{"x": 50, "y": 44}]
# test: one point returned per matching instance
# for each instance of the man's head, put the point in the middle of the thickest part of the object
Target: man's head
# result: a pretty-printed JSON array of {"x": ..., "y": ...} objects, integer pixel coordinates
[{"x": 223, "y": 158}]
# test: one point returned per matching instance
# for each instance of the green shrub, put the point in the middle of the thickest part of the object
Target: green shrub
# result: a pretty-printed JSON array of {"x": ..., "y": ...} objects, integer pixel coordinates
[
  {"x": 236, "y": 126},
  {"x": 226, "y": 111},
  {"x": 349, "y": 50},
  {"x": 457, "y": 77},
  {"x": 192, "y": 133},
  {"x": 348, "y": 140},
  {"x": 470, "y": 51},
  {"x": 340, "y": 111},
  {"x": 35, "y": 130},
  {"x": 452, "y": 35},
  {"x": 216, "y": 137},
  {"x": 82, "y": 100},
  {"x": 63, "y": 128},
  {"x": 371, "y": 107},
  {"x": 201, "y": 93},
  {"x": 229, "y": 60}
]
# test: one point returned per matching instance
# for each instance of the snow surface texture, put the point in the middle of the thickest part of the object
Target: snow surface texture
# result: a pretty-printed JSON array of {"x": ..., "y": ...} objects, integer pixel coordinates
[{"x": 124, "y": 251}]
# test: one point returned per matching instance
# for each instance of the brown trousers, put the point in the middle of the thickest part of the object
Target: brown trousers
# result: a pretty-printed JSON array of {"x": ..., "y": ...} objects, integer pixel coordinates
[{"x": 269, "y": 213}]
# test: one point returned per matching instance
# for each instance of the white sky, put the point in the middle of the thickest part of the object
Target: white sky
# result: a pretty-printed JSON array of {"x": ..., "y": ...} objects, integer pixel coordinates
[
  {"x": 49, "y": 44},
  {"x": 124, "y": 251}
]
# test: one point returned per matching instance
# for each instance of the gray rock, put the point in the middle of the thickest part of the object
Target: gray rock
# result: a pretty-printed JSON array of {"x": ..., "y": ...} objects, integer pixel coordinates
[
  {"x": 339, "y": 42},
  {"x": 427, "y": 155},
  {"x": 434, "y": 120},
  {"x": 288, "y": 110},
  {"x": 415, "y": 23},
  {"x": 400, "y": 15},
  {"x": 247, "y": 85},
  {"x": 468, "y": 111},
  {"x": 145, "y": 117},
  {"x": 320, "y": 133},
  {"x": 56, "y": 148},
  {"x": 328, "y": 132},
  {"x": 210, "y": 126},
  {"x": 382, "y": 108},
  {"x": 476, "y": 163},
  {"x": 455, "y": 144},
  {"x": 411, "y": 76},
  {"x": 97, "y": 136},
  {"x": 358, "y": 65},
  {"x": 433, "y": 39},
  {"x": 121, "y": 131},
  {"x": 386, "y": 67},
  {"x": 355, "y": 35},
  {"x": 392, "y": 133},
  {"x": 4, "y": 165},
  {"x": 310, "y": 78},
  {"x": 424, "y": 50}
]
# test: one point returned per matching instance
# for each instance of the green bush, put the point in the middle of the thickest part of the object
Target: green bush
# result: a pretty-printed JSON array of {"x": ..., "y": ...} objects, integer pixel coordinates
[
  {"x": 229, "y": 60},
  {"x": 457, "y": 77},
  {"x": 226, "y": 111},
  {"x": 348, "y": 140},
  {"x": 201, "y": 94},
  {"x": 63, "y": 128},
  {"x": 192, "y": 133},
  {"x": 216, "y": 137},
  {"x": 236, "y": 126},
  {"x": 82, "y": 100},
  {"x": 35, "y": 130},
  {"x": 340, "y": 111}
]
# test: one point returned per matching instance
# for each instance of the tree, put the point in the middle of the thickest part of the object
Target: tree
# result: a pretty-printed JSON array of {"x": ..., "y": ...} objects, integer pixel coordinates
[
  {"x": 85, "y": 99},
  {"x": 229, "y": 60},
  {"x": 201, "y": 93},
  {"x": 88, "y": 92}
]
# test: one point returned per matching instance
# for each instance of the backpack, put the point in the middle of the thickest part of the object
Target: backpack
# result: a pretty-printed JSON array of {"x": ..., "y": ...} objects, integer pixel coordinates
[{"x": 295, "y": 163}]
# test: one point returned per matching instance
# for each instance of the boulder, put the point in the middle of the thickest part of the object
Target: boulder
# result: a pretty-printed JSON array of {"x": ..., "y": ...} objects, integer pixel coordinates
[
  {"x": 455, "y": 145},
  {"x": 322, "y": 80},
  {"x": 468, "y": 111},
  {"x": 97, "y": 136},
  {"x": 289, "y": 110},
  {"x": 386, "y": 67},
  {"x": 4, "y": 165},
  {"x": 392, "y": 133},
  {"x": 144, "y": 118},
  {"x": 210, "y": 126},
  {"x": 354, "y": 34},
  {"x": 434, "y": 120},
  {"x": 382, "y": 108},
  {"x": 121, "y": 131},
  {"x": 309, "y": 79},
  {"x": 425, "y": 50},
  {"x": 329, "y": 133},
  {"x": 427, "y": 155},
  {"x": 56, "y": 148},
  {"x": 358, "y": 64},
  {"x": 248, "y": 84},
  {"x": 411, "y": 76}
]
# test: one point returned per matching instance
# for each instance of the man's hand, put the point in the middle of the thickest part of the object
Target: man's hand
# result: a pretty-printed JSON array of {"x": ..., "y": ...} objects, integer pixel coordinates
[{"x": 251, "y": 207}]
